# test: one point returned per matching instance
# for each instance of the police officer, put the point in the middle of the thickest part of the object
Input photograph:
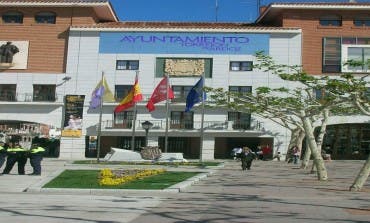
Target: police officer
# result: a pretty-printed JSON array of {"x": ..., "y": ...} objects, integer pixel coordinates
[
  {"x": 16, "y": 154},
  {"x": 36, "y": 153},
  {"x": 3, "y": 148}
]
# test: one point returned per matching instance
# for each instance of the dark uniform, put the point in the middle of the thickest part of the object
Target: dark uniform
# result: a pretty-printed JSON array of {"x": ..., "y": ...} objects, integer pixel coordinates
[
  {"x": 36, "y": 154},
  {"x": 16, "y": 154},
  {"x": 3, "y": 148},
  {"x": 247, "y": 157}
]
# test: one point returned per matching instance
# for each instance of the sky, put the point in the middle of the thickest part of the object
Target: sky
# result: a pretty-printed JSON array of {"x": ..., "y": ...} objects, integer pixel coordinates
[{"x": 195, "y": 10}]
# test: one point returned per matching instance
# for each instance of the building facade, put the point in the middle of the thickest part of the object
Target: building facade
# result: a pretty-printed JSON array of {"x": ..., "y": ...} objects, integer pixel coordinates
[{"x": 66, "y": 48}]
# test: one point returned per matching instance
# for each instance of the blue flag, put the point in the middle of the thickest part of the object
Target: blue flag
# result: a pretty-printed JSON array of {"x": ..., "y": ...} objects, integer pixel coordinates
[
  {"x": 196, "y": 95},
  {"x": 96, "y": 97}
]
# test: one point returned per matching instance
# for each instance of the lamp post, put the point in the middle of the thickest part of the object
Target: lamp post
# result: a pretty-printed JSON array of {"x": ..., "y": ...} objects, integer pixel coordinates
[{"x": 146, "y": 126}]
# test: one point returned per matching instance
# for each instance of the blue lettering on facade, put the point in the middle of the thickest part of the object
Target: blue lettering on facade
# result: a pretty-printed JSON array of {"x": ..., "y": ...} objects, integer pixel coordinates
[{"x": 194, "y": 43}]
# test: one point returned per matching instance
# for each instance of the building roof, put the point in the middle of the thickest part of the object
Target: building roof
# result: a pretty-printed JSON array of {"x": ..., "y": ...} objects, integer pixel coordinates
[
  {"x": 103, "y": 8},
  {"x": 181, "y": 27},
  {"x": 274, "y": 9}
]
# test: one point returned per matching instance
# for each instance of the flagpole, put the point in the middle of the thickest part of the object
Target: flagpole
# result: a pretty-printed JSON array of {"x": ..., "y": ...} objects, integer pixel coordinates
[
  {"x": 167, "y": 108},
  {"x": 99, "y": 126},
  {"x": 134, "y": 121},
  {"x": 202, "y": 123}
]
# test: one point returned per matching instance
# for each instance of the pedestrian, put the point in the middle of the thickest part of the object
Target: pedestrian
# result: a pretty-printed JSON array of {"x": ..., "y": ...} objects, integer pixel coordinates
[
  {"x": 247, "y": 157},
  {"x": 16, "y": 154},
  {"x": 3, "y": 148},
  {"x": 277, "y": 156},
  {"x": 36, "y": 154},
  {"x": 296, "y": 154}
]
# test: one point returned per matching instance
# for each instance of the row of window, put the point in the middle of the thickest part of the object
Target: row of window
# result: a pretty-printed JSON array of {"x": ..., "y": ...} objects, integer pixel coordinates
[
  {"x": 14, "y": 17},
  {"x": 336, "y": 20},
  {"x": 234, "y": 65},
  {"x": 338, "y": 50},
  {"x": 40, "y": 93},
  {"x": 47, "y": 92}
]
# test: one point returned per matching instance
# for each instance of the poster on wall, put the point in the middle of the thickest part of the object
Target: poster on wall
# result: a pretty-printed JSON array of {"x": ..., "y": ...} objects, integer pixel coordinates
[
  {"x": 13, "y": 54},
  {"x": 73, "y": 115}
]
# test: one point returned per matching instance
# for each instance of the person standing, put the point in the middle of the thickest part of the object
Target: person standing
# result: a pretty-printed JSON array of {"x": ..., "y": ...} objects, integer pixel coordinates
[
  {"x": 16, "y": 154},
  {"x": 296, "y": 154},
  {"x": 3, "y": 148},
  {"x": 36, "y": 154}
]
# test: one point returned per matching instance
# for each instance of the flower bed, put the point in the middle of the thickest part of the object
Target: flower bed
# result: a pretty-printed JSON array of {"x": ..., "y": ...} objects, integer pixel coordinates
[{"x": 110, "y": 177}]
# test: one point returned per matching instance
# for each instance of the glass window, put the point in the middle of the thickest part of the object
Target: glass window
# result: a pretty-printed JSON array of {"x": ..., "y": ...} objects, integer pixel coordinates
[
  {"x": 45, "y": 17},
  {"x": 180, "y": 92},
  {"x": 359, "y": 56},
  {"x": 332, "y": 55},
  {"x": 240, "y": 120},
  {"x": 240, "y": 89},
  {"x": 13, "y": 17},
  {"x": 331, "y": 20},
  {"x": 127, "y": 65},
  {"x": 363, "y": 20},
  {"x": 44, "y": 92},
  {"x": 123, "y": 119},
  {"x": 121, "y": 91},
  {"x": 182, "y": 120},
  {"x": 241, "y": 65},
  {"x": 8, "y": 92}
]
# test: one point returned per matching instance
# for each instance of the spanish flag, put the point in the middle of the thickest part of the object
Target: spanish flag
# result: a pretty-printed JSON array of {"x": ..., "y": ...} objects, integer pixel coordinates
[{"x": 133, "y": 96}]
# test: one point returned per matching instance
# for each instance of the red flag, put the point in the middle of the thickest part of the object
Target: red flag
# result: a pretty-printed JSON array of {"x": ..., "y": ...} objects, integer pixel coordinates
[
  {"x": 159, "y": 94},
  {"x": 133, "y": 96}
]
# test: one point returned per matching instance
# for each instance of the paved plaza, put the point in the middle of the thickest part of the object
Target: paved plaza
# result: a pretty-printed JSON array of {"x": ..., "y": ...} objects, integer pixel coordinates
[{"x": 270, "y": 192}]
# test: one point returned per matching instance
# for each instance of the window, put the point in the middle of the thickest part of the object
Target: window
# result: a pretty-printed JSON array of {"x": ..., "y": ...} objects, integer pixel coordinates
[
  {"x": 121, "y": 91},
  {"x": 241, "y": 65},
  {"x": 240, "y": 89},
  {"x": 44, "y": 92},
  {"x": 332, "y": 55},
  {"x": 180, "y": 92},
  {"x": 184, "y": 67},
  {"x": 127, "y": 65},
  {"x": 362, "y": 20},
  {"x": 13, "y": 17},
  {"x": 123, "y": 119},
  {"x": 240, "y": 120},
  {"x": 182, "y": 120},
  {"x": 331, "y": 20},
  {"x": 358, "y": 56},
  {"x": 8, "y": 92},
  {"x": 45, "y": 17}
]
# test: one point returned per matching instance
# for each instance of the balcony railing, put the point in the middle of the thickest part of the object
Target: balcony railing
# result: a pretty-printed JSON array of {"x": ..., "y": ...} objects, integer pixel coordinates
[
  {"x": 175, "y": 124},
  {"x": 30, "y": 97}
]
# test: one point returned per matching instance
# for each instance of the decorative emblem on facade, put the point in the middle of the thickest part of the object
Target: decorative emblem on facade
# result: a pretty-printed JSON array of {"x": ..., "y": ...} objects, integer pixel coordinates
[
  {"x": 7, "y": 51},
  {"x": 184, "y": 67}
]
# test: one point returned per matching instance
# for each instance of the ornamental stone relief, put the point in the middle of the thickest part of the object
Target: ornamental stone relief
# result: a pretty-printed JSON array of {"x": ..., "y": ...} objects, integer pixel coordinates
[{"x": 184, "y": 67}]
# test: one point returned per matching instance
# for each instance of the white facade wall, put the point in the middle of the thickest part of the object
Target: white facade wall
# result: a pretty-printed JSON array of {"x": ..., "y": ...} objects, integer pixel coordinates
[{"x": 85, "y": 65}]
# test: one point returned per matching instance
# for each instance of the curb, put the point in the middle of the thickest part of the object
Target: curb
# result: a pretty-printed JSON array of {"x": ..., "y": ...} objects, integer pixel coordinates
[{"x": 38, "y": 187}]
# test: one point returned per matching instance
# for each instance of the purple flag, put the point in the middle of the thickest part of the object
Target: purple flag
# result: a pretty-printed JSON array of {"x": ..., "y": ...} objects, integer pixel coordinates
[{"x": 96, "y": 97}]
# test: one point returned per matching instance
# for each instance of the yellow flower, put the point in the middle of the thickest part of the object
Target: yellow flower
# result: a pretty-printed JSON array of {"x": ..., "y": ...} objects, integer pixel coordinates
[{"x": 107, "y": 178}]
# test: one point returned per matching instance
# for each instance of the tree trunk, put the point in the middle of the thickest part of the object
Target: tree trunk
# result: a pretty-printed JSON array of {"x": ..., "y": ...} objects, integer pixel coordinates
[
  {"x": 306, "y": 157},
  {"x": 320, "y": 137},
  {"x": 322, "y": 173},
  {"x": 362, "y": 176},
  {"x": 293, "y": 140}
]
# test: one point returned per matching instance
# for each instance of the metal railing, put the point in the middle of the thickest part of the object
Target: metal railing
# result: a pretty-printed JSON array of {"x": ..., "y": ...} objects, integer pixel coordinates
[{"x": 175, "y": 124}]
